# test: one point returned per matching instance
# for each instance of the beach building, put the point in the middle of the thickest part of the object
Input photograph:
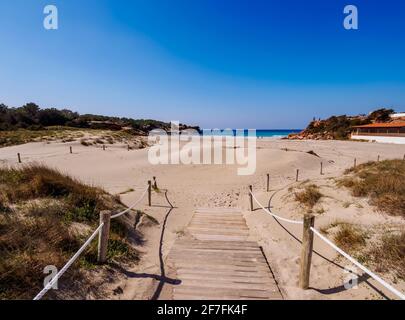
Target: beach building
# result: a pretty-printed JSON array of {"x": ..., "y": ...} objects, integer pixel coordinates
[
  {"x": 398, "y": 116},
  {"x": 392, "y": 132}
]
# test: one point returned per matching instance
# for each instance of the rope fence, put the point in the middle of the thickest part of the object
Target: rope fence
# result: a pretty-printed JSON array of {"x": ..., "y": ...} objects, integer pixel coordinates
[
  {"x": 103, "y": 240},
  {"x": 307, "y": 245},
  {"x": 130, "y": 207},
  {"x": 68, "y": 264}
]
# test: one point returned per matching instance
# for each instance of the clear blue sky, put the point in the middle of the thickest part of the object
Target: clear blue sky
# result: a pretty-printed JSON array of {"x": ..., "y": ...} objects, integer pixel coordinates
[{"x": 245, "y": 64}]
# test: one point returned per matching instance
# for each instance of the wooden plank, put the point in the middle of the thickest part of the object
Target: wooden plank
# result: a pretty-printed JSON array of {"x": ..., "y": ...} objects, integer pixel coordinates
[
  {"x": 228, "y": 277},
  {"x": 220, "y": 220},
  {"x": 221, "y": 272},
  {"x": 218, "y": 253},
  {"x": 217, "y": 260},
  {"x": 185, "y": 250},
  {"x": 230, "y": 266},
  {"x": 219, "y": 292},
  {"x": 196, "y": 296},
  {"x": 236, "y": 232},
  {"x": 219, "y": 243},
  {"x": 223, "y": 284},
  {"x": 216, "y": 223},
  {"x": 208, "y": 237}
]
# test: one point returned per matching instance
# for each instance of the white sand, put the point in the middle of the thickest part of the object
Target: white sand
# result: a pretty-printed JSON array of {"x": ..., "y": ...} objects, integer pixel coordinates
[{"x": 190, "y": 186}]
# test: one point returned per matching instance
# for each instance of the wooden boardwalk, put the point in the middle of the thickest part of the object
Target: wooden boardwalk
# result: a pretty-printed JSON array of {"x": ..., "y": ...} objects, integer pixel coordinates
[{"x": 218, "y": 262}]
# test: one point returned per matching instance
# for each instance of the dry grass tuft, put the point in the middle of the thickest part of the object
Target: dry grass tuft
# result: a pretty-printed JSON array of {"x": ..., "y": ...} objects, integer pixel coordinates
[
  {"x": 84, "y": 142},
  {"x": 309, "y": 196},
  {"x": 389, "y": 254},
  {"x": 383, "y": 182},
  {"x": 350, "y": 238},
  {"x": 37, "y": 181}
]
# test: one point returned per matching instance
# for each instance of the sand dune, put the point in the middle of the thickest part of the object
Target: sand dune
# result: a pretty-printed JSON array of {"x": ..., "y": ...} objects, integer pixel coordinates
[{"x": 192, "y": 186}]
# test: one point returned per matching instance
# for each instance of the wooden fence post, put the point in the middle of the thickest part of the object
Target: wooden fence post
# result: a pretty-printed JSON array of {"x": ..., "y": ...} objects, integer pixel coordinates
[
  {"x": 154, "y": 183},
  {"x": 105, "y": 217},
  {"x": 296, "y": 178},
  {"x": 306, "y": 251},
  {"x": 251, "y": 198},
  {"x": 150, "y": 193},
  {"x": 268, "y": 182},
  {"x": 321, "y": 168},
  {"x": 378, "y": 158},
  {"x": 128, "y": 147},
  {"x": 70, "y": 148},
  {"x": 19, "y": 158},
  {"x": 103, "y": 147},
  {"x": 355, "y": 163}
]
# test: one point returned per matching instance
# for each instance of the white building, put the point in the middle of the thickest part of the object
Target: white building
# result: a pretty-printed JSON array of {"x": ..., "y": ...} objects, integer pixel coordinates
[
  {"x": 396, "y": 116},
  {"x": 392, "y": 132}
]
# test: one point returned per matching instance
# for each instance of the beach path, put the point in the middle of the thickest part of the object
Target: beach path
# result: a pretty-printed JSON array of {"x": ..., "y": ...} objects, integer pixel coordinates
[{"x": 218, "y": 262}]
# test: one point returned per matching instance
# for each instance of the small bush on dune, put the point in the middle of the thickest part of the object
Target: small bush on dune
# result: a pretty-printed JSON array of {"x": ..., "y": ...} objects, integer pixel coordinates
[{"x": 84, "y": 142}]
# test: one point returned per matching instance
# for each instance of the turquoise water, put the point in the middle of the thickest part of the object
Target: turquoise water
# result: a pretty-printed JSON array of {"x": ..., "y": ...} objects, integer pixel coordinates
[
  {"x": 276, "y": 133},
  {"x": 261, "y": 133}
]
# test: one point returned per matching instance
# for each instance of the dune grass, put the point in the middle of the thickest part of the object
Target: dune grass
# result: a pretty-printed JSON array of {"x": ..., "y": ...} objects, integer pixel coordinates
[
  {"x": 45, "y": 216},
  {"x": 389, "y": 254},
  {"x": 383, "y": 182},
  {"x": 21, "y": 136},
  {"x": 36, "y": 181},
  {"x": 350, "y": 238},
  {"x": 309, "y": 197}
]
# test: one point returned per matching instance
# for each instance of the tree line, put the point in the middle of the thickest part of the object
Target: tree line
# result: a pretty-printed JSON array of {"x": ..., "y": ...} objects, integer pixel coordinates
[{"x": 31, "y": 117}]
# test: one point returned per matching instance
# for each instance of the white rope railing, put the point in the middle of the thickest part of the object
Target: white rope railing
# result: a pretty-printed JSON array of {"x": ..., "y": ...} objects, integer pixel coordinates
[
  {"x": 82, "y": 248},
  {"x": 274, "y": 215},
  {"x": 68, "y": 264},
  {"x": 130, "y": 207},
  {"x": 336, "y": 248},
  {"x": 359, "y": 265}
]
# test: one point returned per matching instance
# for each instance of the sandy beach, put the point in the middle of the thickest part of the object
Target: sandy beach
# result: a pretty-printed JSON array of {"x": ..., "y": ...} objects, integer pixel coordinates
[{"x": 194, "y": 186}]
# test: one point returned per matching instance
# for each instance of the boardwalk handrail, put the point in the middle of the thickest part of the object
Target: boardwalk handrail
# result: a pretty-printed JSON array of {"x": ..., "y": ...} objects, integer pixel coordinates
[
  {"x": 336, "y": 248},
  {"x": 82, "y": 248}
]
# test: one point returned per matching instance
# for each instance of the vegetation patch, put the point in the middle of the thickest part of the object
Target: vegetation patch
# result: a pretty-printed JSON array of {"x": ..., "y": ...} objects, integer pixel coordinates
[
  {"x": 45, "y": 217},
  {"x": 32, "y": 123},
  {"x": 309, "y": 197},
  {"x": 350, "y": 238},
  {"x": 389, "y": 254},
  {"x": 383, "y": 182},
  {"x": 340, "y": 127}
]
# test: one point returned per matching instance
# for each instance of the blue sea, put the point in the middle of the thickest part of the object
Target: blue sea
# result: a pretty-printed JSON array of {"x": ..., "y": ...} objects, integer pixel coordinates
[
  {"x": 260, "y": 133},
  {"x": 265, "y": 133}
]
